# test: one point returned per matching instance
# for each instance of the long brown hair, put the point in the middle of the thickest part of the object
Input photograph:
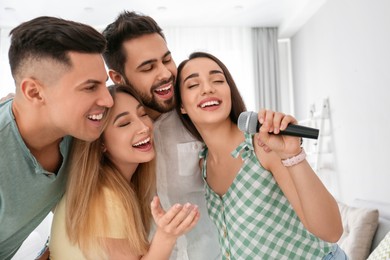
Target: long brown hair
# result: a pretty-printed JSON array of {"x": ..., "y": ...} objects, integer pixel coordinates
[
  {"x": 238, "y": 104},
  {"x": 91, "y": 172}
]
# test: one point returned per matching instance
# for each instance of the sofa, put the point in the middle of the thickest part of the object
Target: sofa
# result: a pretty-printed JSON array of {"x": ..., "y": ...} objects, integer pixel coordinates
[{"x": 366, "y": 224}]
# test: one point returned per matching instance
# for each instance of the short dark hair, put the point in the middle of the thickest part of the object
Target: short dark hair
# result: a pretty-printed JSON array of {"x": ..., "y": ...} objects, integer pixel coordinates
[
  {"x": 127, "y": 26},
  {"x": 52, "y": 38},
  {"x": 238, "y": 105}
]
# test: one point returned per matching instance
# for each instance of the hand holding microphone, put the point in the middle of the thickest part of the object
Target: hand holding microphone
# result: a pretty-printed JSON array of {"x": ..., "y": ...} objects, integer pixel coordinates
[
  {"x": 248, "y": 122},
  {"x": 285, "y": 147}
]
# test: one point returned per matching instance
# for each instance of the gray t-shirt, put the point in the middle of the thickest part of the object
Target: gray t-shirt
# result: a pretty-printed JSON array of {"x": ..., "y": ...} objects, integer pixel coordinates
[
  {"x": 27, "y": 192},
  {"x": 179, "y": 181}
]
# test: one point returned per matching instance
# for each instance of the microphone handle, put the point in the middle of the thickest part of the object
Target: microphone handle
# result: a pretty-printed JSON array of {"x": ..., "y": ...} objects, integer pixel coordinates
[{"x": 297, "y": 130}]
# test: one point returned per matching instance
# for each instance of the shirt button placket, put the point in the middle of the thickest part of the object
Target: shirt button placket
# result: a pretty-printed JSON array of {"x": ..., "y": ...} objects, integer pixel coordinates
[{"x": 227, "y": 254}]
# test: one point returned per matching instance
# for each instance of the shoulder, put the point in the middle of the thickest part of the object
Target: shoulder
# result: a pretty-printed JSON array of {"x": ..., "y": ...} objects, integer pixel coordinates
[
  {"x": 169, "y": 129},
  {"x": 5, "y": 114}
]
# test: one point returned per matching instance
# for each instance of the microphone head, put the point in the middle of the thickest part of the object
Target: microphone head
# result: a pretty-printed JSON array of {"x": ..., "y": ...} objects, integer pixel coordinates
[{"x": 247, "y": 122}]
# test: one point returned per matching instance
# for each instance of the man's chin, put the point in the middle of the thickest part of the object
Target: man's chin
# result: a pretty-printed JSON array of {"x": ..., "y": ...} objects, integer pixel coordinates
[
  {"x": 165, "y": 109},
  {"x": 165, "y": 106}
]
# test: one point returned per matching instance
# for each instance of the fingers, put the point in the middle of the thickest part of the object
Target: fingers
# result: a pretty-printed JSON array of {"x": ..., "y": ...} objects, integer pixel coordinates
[
  {"x": 188, "y": 219},
  {"x": 264, "y": 146},
  {"x": 177, "y": 220},
  {"x": 157, "y": 211},
  {"x": 274, "y": 122}
]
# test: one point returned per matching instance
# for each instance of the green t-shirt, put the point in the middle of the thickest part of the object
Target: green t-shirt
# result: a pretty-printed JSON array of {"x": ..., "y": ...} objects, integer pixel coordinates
[{"x": 27, "y": 192}]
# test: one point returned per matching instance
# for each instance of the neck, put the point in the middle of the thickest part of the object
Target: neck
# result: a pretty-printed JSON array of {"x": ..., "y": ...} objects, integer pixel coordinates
[
  {"x": 221, "y": 139},
  {"x": 153, "y": 114},
  {"x": 128, "y": 170},
  {"x": 34, "y": 129}
]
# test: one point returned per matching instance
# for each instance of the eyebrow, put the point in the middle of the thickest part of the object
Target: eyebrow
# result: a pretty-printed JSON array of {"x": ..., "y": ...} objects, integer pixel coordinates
[
  {"x": 120, "y": 115},
  {"x": 90, "y": 81},
  {"x": 126, "y": 113},
  {"x": 153, "y": 60},
  {"x": 194, "y": 75}
]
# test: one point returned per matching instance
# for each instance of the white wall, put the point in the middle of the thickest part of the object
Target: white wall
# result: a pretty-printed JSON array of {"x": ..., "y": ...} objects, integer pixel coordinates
[{"x": 343, "y": 52}]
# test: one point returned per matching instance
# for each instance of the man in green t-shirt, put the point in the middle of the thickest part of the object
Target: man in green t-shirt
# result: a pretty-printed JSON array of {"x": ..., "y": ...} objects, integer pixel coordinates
[{"x": 60, "y": 92}]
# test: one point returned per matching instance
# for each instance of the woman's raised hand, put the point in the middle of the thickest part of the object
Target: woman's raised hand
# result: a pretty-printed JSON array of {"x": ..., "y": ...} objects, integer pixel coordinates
[{"x": 178, "y": 220}]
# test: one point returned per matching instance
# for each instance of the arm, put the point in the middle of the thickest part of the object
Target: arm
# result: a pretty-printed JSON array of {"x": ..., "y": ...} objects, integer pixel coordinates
[
  {"x": 177, "y": 221},
  {"x": 314, "y": 205}
]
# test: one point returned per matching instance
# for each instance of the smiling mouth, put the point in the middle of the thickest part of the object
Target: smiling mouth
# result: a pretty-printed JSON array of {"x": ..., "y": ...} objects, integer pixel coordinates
[
  {"x": 210, "y": 104},
  {"x": 142, "y": 143},
  {"x": 96, "y": 117},
  {"x": 163, "y": 91}
]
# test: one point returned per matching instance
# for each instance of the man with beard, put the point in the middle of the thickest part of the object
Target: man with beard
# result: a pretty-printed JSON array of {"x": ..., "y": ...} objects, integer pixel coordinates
[{"x": 137, "y": 55}]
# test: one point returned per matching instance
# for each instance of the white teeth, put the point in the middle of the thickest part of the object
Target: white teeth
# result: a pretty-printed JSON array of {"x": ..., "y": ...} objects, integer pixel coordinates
[
  {"x": 163, "y": 89},
  {"x": 209, "y": 103},
  {"x": 142, "y": 142},
  {"x": 96, "y": 117}
]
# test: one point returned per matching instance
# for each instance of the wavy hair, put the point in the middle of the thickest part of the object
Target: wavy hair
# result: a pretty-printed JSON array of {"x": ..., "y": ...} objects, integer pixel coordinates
[{"x": 91, "y": 172}]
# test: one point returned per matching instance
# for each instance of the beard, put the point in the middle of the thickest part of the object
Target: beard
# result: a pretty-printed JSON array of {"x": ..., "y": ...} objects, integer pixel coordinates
[
  {"x": 162, "y": 106},
  {"x": 151, "y": 101}
]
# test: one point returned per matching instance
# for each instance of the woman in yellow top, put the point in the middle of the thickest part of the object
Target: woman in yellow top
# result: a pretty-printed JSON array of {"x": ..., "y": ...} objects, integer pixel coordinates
[{"x": 106, "y": 211}]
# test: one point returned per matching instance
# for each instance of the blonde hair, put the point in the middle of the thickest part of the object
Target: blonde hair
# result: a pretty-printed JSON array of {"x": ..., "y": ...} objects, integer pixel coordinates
[{"x": 90, "y": 172}]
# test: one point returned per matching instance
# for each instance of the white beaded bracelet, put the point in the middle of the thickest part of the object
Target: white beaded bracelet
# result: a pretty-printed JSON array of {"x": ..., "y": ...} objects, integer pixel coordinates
[{"x": 295, "y": 159}]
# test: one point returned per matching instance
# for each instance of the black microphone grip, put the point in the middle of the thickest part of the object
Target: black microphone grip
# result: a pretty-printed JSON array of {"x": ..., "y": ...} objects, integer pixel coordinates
[
  {"x": 248, "y": 122},
  {"x": 297, "y": 130}
]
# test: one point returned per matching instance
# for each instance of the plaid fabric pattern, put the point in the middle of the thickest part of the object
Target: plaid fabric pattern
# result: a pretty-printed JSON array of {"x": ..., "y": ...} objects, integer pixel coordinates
[
  {"x": 382, "y": 252},
  {"x": 255, "y": 220}
]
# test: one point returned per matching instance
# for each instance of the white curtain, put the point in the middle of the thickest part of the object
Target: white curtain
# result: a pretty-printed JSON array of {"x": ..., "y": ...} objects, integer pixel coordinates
[
  {"x": 7, "y": 84},
  {"x": 232, "y": 45},
  {"x": 266, "y": 67}
]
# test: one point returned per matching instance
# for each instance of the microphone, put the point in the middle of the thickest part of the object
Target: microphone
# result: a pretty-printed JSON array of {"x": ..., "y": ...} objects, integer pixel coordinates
[{"x": 248, "y": 122}]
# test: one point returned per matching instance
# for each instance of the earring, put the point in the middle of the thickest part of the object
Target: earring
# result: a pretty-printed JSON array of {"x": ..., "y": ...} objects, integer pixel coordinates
[
  {"x": 104, "y": 149},
  {"x": 182, "y": 110}
]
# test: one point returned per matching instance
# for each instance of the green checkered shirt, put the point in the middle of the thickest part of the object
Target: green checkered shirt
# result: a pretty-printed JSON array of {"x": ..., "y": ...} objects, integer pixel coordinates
[{"x": 254, "y": 219}]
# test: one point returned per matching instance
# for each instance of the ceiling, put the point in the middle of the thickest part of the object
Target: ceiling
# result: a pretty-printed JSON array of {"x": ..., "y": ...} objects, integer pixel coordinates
[{"x": 288, "y": 15}]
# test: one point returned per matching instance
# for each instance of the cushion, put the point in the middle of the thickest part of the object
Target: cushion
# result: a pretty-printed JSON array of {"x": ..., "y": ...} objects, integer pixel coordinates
[
  {"x": 381, "y": 231},
  {"x": 359, "y": 228},
  {"x": 382, "y": 251}
]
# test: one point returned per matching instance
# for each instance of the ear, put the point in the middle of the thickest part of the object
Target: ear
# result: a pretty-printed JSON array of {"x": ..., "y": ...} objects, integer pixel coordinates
[
  {"x": 182, "y": 110},
  {"x": 104, "y": 148},
  {"x": 32, "y": 90},
  {"x": 116, "y": 77}
]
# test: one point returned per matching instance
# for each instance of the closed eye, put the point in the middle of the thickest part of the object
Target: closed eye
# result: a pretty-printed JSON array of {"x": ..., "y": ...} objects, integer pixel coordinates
[
  {"x": 146, "y": 69},
  {"x": 167, "y": 60},
  {"x": 193, "y": 85},
  {"x": 91, "y": 87},
  {"x": 124, "y": 124}
]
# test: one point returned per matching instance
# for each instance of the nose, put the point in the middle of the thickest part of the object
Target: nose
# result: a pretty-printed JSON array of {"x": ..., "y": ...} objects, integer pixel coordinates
[
  {"x": 207, "y": 88},
  {"x": 105, "y": 99},
  {"x": 144, "y": 128},
  {"x": 163, "y": 72}
]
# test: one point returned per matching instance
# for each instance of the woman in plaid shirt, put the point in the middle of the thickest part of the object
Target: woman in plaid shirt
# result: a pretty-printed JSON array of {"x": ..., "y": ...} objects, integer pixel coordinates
[{"x": 266, "y": 205}]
